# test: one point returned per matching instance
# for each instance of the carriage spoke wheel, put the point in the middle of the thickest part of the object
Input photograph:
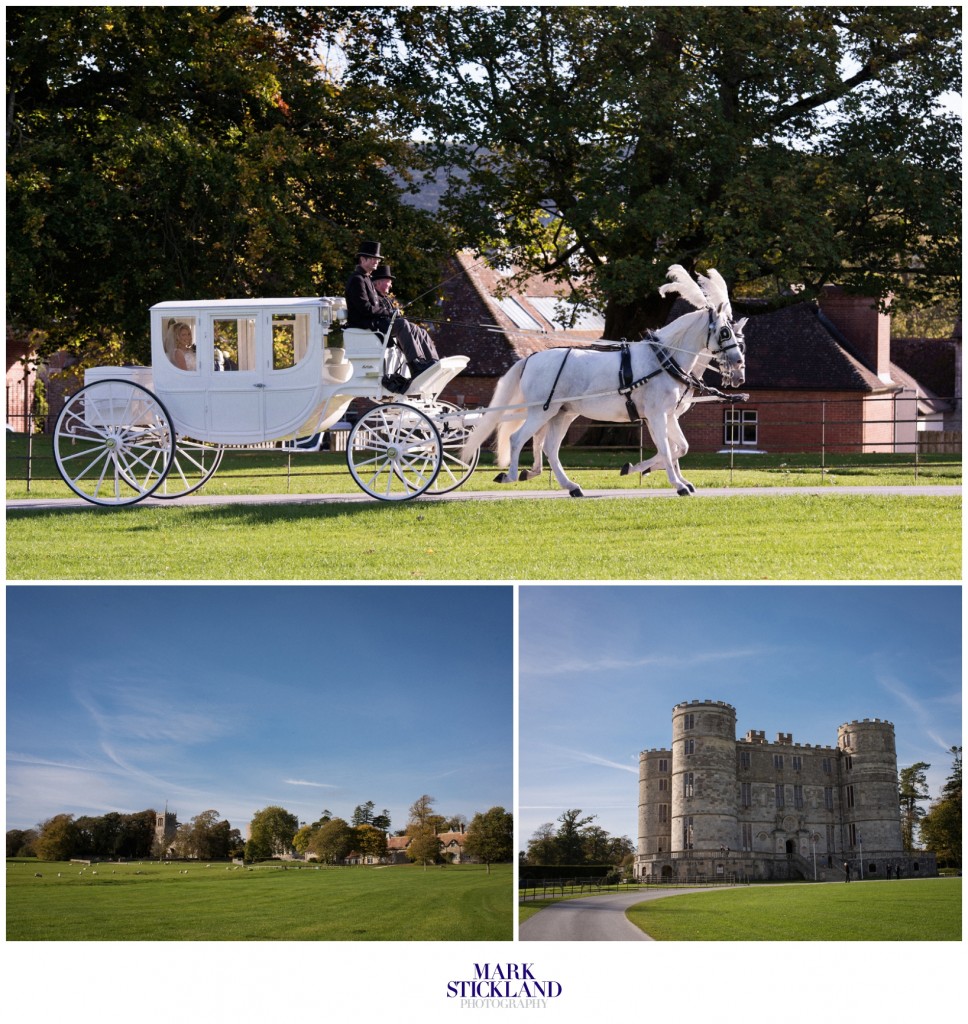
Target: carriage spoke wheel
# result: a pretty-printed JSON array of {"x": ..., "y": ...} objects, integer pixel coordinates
[
  {"x": 394, "y": 452},
  {"x": 193, "y": 465},
  {"x": 113, "y": 443},
  {"x": 454, "y": 470}
]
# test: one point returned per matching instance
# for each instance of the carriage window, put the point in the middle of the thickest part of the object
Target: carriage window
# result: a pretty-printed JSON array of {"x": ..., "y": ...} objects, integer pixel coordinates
[
  {"x": 179, "y": 342},
  {"x": 234, "y": 344},
  {"x": 290, "y": 339},
  {"x": 740, "y": 427}
]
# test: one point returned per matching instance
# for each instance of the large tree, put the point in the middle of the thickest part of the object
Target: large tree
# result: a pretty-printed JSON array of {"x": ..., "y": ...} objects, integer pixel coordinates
[
  {"x": 188, "y": 152},
  {"x": 332, "y": 841},
  {"x": 800, "y": 145},
  {"x": 912, "y": 791},
  {"x": 58, "y": 839},
  {"x": 941, "y": 825},
  {"x": 490, "y": 837},
  {"x": 271, "y": 833}
]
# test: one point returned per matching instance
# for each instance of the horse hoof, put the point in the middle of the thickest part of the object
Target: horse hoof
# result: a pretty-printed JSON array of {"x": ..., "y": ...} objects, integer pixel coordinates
[
  {"x": 577, "y": 493},
  {"x": 684, "y": 492},
  {"x": 532, "y": 474},
  {"x": 692, "y": 488},
  {"x": 502, "y": 478},
  {"x": 647, "y": 471},
  {"x": 626, "y": 469}
]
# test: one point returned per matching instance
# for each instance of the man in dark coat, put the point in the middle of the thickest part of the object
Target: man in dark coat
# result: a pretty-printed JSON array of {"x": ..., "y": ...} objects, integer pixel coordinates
[
  {"x": 417, "y": 345},
  {"x": 363, "y": 307}
]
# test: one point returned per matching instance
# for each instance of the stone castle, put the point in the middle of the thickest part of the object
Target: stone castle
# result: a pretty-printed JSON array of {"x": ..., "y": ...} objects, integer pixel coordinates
[{"x": 714, "y": 806}]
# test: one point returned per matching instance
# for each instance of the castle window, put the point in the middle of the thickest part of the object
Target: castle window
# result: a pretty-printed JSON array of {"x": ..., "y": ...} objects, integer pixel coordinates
[
  {"x": 798, "y": 797},
  {"x": 663, "y": 813},
  {"x": 778, "y": 762},
  {"x": 747, "y": 837},
  {"x": 745, "y": 759},
  {"x": 778, "y": 795},
  {"x": 852, "y": 835},
  {"x": 850, "y": 796},
  {"x": 747, "y": 794},
  {"x": 687, "y": 834},
  {"x": 828, "y": 797},
  {"x": 690, "y": 746},
  {"x": 663, "y": 764},
  {"x": 849, "y": 761},
  {"x": 797, "y": 763},
  {"x": 688, "y": 784},
  {"x": 827, "y": 767},
  {"x": 689, "y": 721},
  {"x": 663, "y": 785},
  {"x": 831, "y": 838}
]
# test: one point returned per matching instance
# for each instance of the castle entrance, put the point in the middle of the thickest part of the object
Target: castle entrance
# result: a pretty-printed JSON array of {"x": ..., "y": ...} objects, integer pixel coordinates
[{"x": 791, "y": 847}]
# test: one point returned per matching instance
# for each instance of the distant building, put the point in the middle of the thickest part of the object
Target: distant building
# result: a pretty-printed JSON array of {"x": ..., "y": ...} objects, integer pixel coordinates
[{"x": 714, "y": 806}]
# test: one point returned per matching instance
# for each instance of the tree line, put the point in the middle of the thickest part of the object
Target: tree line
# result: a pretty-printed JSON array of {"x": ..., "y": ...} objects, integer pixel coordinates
[
  {"x": 939, "y": 827},
  {"x": 576, "y": 840},
  {"x": 273, "y": 832},
  {"x": 204, "y": 152}
]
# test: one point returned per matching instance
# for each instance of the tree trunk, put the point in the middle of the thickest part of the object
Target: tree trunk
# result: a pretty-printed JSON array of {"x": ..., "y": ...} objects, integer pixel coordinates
[{"x": 631, "y": 320}]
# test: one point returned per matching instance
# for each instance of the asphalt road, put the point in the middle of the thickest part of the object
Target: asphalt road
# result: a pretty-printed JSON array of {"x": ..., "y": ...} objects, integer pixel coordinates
[
  {"x": 593, "y": 918},
  {"x": 202, "y": 500}
]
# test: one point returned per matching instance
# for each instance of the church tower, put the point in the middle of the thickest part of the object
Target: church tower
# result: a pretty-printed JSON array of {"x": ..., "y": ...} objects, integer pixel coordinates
[{"x": 166, "y": 825}]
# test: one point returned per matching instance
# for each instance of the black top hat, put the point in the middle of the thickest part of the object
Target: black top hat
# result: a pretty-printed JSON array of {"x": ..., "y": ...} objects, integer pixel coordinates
[
  {"x": 381, "y": 272},
  {"x": 369, "y": 249}
]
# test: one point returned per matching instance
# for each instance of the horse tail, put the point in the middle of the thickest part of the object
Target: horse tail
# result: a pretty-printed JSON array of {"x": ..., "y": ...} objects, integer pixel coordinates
[{"x": 507, "y": 393}]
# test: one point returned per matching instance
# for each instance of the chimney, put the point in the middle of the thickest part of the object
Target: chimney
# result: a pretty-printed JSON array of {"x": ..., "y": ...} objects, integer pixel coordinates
[{"x": 864, "y": 327}]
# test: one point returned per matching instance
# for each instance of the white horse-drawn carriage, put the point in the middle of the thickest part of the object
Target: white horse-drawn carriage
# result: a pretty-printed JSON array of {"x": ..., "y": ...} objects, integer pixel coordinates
[
  {"x": 242, "y": 373},
  {"x": 247, "y": 373}
]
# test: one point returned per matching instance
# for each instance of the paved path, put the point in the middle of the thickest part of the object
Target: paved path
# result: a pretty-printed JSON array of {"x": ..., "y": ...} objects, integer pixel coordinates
[
  {"x": 595, "y": 918},
  {"x": 354, "y": 498}
]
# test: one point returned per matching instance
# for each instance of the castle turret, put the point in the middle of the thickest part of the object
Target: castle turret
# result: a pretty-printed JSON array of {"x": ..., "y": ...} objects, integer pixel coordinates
[
  {"x": 871, "y": 810},
  {"x": 655, "y": 801},
  {"x": 704, "y": 776}
]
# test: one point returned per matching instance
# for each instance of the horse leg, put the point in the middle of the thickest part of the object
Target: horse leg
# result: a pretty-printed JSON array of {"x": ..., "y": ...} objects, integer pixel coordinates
[
  {"x": 537, "y": 467},
  {"x": 533, "y": 423},
  {"x": 680, "y": 447},
  {"x": 644, "y": 468},
  {"x": 554, "y": 435},
  {"x": 659, "y": 427}
]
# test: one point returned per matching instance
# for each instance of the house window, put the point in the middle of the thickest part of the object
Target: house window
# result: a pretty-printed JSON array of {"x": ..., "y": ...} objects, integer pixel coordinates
[
  {"x": 747, "y": 837},
  {"x": 747, "y": 794},
  {"x": 740, "y": 427},
  {"x": 797, "y": 763},
  {"x": 798, "y": 797},
  {"x": 745, "y": 759},
  {"x": 828, "y": 797},
  {"x": 778, "y": 762},
  {"x": 688, "y": 784},
  {"x": 690, "y": 746},
  {"x": 778, "y": 795}
]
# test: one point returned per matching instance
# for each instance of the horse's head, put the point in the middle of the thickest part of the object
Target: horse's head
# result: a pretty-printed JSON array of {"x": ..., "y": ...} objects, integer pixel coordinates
[{"x": 727, "y": 345}]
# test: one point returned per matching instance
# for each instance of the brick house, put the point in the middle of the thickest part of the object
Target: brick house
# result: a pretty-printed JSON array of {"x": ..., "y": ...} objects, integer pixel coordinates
[{"x": 819, "y": 374}]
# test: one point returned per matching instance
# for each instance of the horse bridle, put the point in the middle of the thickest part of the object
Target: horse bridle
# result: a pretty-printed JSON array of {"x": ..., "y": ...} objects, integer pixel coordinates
[{"x": 722, "y": 335}]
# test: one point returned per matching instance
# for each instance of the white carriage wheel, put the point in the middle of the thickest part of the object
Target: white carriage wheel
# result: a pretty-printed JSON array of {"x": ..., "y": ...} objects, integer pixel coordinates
[
  {"x": 194, "y": 464},
  {"x": 454, "y": 470},
  {"x": 394, "y": 452},
  {"x": 113, "y": 443}
]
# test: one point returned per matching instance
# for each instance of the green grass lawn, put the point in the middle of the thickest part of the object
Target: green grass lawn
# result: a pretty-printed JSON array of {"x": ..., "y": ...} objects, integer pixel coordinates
[
  {"x": 851, "y": 537},
  {"x": 153, "y": 901},
  {"x": 910, "y": 909}
]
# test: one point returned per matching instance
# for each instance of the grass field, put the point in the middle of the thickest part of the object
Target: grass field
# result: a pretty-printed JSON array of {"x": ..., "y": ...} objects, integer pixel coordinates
[
  {"x": 153, "y": 901},
  {"x": 912, "y": 910}
]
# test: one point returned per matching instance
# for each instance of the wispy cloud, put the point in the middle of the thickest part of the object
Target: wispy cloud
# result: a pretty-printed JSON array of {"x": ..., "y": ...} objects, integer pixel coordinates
[
  {"x": 605, "y": 663},
  {"x": 306, "y": 782}
]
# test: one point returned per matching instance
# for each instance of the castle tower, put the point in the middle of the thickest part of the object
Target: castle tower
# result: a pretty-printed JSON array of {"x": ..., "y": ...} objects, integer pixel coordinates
[
  {"x": 655, "y": 801},
  {"x": 704, "y": 777},
  {"x": 871, "y": 811}
]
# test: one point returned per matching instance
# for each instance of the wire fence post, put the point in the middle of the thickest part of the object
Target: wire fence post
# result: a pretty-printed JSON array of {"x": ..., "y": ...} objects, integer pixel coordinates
[{"x": 823, "y": 442}]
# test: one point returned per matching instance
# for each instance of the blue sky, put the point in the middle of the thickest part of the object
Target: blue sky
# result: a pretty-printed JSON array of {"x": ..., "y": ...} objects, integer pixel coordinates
[
  {"x": 602, "y": 667},
  {"x": 233, "y": 698}
]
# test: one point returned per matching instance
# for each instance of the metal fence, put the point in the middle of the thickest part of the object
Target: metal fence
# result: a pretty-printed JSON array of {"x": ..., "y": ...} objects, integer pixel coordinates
[
  {"x": 531, "y": 889},
  {"x": 834, "y": 440}
]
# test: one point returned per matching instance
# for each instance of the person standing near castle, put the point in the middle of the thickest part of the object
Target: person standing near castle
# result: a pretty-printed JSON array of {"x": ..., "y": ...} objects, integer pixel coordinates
[{"x": 846, "y": 871}]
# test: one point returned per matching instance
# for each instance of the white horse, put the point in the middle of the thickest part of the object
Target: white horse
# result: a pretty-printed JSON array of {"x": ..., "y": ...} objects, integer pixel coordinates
[{"x": 541, "y": 396}]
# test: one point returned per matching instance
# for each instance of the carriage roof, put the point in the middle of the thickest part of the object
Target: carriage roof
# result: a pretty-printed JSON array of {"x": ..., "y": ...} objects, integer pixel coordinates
[{"x": 244, "y": 304}]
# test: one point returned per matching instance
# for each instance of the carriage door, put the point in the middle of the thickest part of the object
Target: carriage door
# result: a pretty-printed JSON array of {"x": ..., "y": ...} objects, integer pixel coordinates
[{"x": 237, "y": 382}]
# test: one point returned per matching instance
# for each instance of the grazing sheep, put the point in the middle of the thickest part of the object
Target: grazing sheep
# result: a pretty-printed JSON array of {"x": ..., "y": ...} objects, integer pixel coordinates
[{"x": 37, "y": 874}]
